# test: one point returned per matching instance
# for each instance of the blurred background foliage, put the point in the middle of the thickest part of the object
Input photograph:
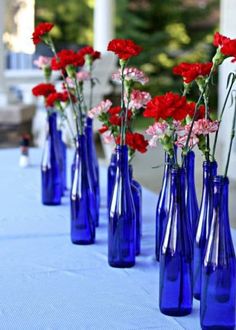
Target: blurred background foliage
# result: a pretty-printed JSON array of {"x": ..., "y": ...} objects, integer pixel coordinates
[{"x": 170, "y": 32}]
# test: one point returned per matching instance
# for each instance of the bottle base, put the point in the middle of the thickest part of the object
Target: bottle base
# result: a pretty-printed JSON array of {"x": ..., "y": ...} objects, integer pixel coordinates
[
  {"x": 218, "y": 327},
  {"x": 175, "y": 311},
  {"x": 197, "y": 296},
  {"x": 51, "y": 203},
  {"x": 121, "y": 265},
  {"x": 82, "y": 242}
]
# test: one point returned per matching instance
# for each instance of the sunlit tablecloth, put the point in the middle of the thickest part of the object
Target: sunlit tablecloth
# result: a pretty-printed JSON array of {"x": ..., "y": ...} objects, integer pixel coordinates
[{"x": 48, "y": 283}]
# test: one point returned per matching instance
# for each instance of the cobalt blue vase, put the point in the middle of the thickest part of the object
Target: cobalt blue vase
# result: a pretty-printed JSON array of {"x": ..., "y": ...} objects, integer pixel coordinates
[
  {"x": 83, "y": 202},
  {"x": 176, "y": 294},
  {"x": 122, "y": 217},
  {"x": 136, "y": 190},
  {"x": 93, "y": 164},
  {"x": 51, "y": 179},
  {"x": 204, "y": 222},
  {"x": 162, "y": 205},
  {"x": 63, "y": 161},
  {"x": 111, "y": 173},
  {"x": 191, "y": 196},
  {"x": 218, "y": 291}
]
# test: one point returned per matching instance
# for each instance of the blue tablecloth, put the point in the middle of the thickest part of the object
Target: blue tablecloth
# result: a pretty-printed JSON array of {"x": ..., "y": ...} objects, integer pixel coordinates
[{"x": 48, "y": 283}]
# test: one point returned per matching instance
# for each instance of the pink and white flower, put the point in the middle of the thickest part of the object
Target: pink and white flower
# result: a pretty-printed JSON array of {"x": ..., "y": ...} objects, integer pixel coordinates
[
  {"x": 138, "y": 99},
  {"x": 108, "y": 137},
  {"x": 42, "y": 62},
  {"x": 157, "y": 131},
  {"x": 131, "y": 74},
  {"x": 205, "y": 126},
  {"x": 181, "y": 141},
  {"x": 102, "y": 107},
  {"x": 83, "y": 76}
]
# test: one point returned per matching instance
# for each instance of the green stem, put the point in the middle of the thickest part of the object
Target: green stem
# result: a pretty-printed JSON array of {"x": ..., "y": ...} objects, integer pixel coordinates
[
  {"x": 79, "y": 106},
  {"x": 196, "y": 108},
  {"x": 231, "y": 139},
  {"x": 207, "y": 151},
  {"x": 91, "y": 87},
  {"x": 222, "y": 113},
  {"x": 53, "y": 49},
  {"x": 64, "y": 116},
  {"x": 123, "y": 108}
]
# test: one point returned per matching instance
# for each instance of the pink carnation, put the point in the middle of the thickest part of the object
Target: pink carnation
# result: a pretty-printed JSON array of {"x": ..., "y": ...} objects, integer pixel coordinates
[
  {"x": 157, "y": 131},
  {"x": 42, "y": 62},
  {"x": 139, "y": 99},
  {"x": 102, "y": 107},
  {"x": 181, "y": 141},
  {"x": 205, "y": 126},
  {"x": 131, "y": 74},
  {"x": 83, "y": 75},
  {"x": 108, "y": 137}
]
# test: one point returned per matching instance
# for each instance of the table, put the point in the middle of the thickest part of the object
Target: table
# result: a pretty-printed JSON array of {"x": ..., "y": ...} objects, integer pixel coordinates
[{"x": 48, "y": 283}]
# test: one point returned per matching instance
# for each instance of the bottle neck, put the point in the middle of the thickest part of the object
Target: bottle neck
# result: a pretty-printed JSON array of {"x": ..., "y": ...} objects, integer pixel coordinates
[
  {"x": 122, "y": 158},
  {"x": 130, "y": 171},
  {"x": 52, "y": 123},
  {"x": 189, "y": 166},
  {"x": 81, "y": 145}
]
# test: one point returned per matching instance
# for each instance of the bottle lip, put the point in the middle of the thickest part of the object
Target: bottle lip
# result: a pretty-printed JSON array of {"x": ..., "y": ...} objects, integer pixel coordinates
[{"x": 120, "y": 147}]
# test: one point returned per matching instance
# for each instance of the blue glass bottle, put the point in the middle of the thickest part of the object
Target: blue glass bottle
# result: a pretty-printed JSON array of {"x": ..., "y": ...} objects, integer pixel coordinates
[
  {"x": 83, "y": 201},
  {"x": 162, "y": 206},
  {"x": 203, "y": 227},
  {"x": 191, "y": 196},
  {"x": 50, "y": 166},
  {"x": 63, "y": 161},
  {"x": 137, "y": 198},
  {"x": 122, "y": 218},
  {"x": 93, "y": 164},
  {"x": 175, "y": 295},
  {"x": 111, "y": 173},
  {"x": 218, "y": 292}
]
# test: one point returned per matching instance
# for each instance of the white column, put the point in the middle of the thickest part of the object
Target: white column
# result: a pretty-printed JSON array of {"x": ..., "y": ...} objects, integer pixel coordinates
[
  {"x": 3, "y": 94},
  {"x": 103, "y": 23},
  {"x": 227, "y": 28}
]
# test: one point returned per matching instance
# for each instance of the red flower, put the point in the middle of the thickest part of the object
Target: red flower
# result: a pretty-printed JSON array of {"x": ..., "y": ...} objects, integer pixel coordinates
[
  {"x": 169, "y": 105},
  {"x": 191, "y": 108},
  {"x": 66, "y": 57},
  {"x": 227, "y": 45},
  {"x": 136, "y": 141},
  {"x": 43, "y": 89},
  {"x": 114, "y": 110},
  {"x": 219, "y": 39},
  {"x": 191, "y": 71},
  {"x": 88, "y": 50},
  {"x": 56, "y": 97},
  {"x": 40, "y": 30},
  {"x": 124, "y": 48},
  {"x": 103, "y": 129}
]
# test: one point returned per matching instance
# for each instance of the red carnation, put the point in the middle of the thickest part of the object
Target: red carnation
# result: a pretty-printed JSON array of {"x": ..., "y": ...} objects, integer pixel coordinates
[
  {"x": 114, "y": 110},
  {"x": 88, "y": 50},
  {"x": 103, "y": 129},
  {"x": 191, "y": 109},
  {"x": 227, "y": 45},
  {"x": 124, "y": 48},
  {"x": 43, "y": 89},
  {"x": 41, "y": 30},
  {"x": 192, "y": 71},
  {"x": 66, "y": 57},
  {"x": 169, "y": 105},
  {"x": 56, "y": 97},
  {"x": 136, "y": 141}
]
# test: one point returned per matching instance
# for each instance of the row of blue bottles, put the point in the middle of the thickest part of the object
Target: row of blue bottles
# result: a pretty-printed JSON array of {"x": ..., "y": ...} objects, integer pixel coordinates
[
  {"x": 53, "y": 165},
  {"x": 122, "y": 216},
  {"x": 218, "y": 285},
  {"x": 83, "y": 201},
  {"x": 203, "y": 225},
  {"x": 176, "y": 253},
  {"x": 136, "y": 190}
]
